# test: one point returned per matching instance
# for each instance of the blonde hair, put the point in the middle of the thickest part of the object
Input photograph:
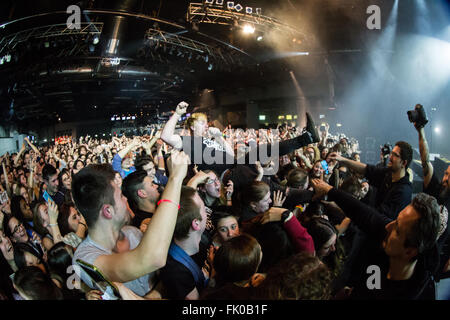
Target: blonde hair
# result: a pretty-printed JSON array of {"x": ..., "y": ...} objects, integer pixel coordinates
[{"x": 194, "y": 117}]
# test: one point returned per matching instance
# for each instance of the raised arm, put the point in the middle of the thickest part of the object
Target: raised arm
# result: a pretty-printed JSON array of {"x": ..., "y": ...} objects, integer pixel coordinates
[
  {"x": 168, "y": 133},
  {"x": 356, "y": 166},
  {"x": 32, "y": 146},
  {"x": 151, "y": 253},
  {"x": 427, "y": 167}
]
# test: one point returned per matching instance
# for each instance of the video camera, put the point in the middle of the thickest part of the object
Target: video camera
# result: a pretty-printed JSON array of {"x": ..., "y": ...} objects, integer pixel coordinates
[
  {"x": 418, "y": 116},
  {"x": 386, "y": 149}
]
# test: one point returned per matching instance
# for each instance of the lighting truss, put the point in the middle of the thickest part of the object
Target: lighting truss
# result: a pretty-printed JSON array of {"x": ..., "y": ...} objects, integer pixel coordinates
[
  {"x": 199, "y": 13},
  {"x": 158, "y": 37},
  {"x": 9, "y": 42}
]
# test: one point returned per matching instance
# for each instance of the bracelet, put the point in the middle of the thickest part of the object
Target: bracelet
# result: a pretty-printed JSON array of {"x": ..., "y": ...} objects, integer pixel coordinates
[
  {"x": 53, "y": 224},
  {"x": 167, "y": 200}
]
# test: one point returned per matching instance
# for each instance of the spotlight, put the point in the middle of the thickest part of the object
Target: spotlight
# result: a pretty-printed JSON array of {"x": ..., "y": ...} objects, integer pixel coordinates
[
  {"x": 238, "y": 7},
  {"x": 47, "y": 44},
  {"x": 437, "y": 130},
  {"x": 230, "y": 5},
  {"x": 210, "y": 67},
  {"x": 2, "y": 60},
  {"x": 96, "y": 39},
  {"x": 209, "y": 1},
  {"x": 259, "y": 38},
  {"x": 249, "y": 29},
  {"x": 249, "y": 10},
  {"x": 8, "y": 58},
  {"x": 338, "y": 125},
  {"x": 219, "y": 2}
]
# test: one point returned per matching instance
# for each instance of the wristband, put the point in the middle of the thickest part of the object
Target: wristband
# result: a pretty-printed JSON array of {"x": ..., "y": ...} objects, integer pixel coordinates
[
  {"x": 167, "y": 200},
  {"x": 53, "y": 224}
]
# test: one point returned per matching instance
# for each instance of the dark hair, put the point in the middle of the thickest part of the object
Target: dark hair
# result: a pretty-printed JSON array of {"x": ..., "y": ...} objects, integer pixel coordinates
[
  {"x": 189, "y": 211},
  {"x": 219, "y": 215},
  {"x": 275, "y": 243},
  {"x": 37, "y": 220},
  {"x": 59, "y": 260},
  {"x": 423, "y": 233},
  {"x": 406, "y": 152},
  {"x": 48, "y": 171},
  {"x": 255, "y": 192},
  {"x": 16, "y": 210},
  {"x": 63, "y": 218},
  {"x": 237, "y": 259},
  {"x": 19, "y": 254},
  {"x": 301, "y": 277},
  {"x": 92, "y": 187},
  {"x": 321, "y": 230},
  {"x": 130, "y": 186},
  {"x": 36, "y": 284},
  {"x": 297, "y": 178},
  {"x": 75, "y": 163},
  {"x": 141, "y": 161},
  {"x": 60, "y": 175},
  {"x": 351, "y": 185}
]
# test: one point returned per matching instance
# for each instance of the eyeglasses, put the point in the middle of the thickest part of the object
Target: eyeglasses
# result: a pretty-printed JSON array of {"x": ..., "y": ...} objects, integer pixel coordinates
[
  {"x": 211, "y": 181},
  {"x": 19, "y": 226}
]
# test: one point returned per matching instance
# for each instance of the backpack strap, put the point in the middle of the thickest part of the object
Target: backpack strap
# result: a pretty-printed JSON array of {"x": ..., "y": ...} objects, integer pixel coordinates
[{"x": 182, "y": 257}]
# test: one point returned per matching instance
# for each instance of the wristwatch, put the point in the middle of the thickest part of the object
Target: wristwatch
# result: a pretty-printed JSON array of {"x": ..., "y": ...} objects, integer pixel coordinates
[{"x": 285, "y": 215}]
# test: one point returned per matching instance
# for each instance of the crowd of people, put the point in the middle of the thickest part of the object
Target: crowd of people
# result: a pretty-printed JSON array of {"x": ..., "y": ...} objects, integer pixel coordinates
[{"x": 152, "y": 217}]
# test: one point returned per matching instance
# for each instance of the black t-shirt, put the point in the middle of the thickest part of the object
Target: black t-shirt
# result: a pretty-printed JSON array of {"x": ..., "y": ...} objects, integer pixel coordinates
[
  {"x": 433, "y": 189},
  {"x": 178, "y": 280},
  {"x": 139, "y": 216}
]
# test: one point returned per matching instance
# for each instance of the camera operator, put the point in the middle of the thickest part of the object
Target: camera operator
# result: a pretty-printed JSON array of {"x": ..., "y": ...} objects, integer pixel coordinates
[
  {"x": 431, "y": 184},
  {"x": 384, "y": 155},
  {"x": 394, "y": 189}
]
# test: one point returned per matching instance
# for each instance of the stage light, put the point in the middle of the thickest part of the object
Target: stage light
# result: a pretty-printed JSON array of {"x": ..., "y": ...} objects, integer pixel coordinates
[
  {"x": 437, "y": 130},
  {"x": 2, "y": 60},
  {"x": 262, "y": 117},
  {"x": 209, "y": 1},
  {"x": 238, "y": 7},
  {"x": 338, "y": 125},
  {"x": 249, "y": 10},
  {"x": 8, "y": 58},
  {"x": 248, "y": 29},
  {"x": 96, "y": 39},
  {"x": 230, "y": 5},
  {"x": 210, "y": 67},
  {"x": 259, "y": 38},
  {"x": 113, "y": 118},
  {"x": 280, "y": 117},
  {"x": 219, "y": 2},
  {"x": 288, "y": 117},
  {"x": 258, "y": 11},
  {"x": 47, "y": 44}
]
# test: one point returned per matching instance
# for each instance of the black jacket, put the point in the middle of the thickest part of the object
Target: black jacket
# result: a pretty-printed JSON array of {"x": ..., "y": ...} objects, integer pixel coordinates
[
  {"x": 392, "y": 197},
  {"x": 373, "y": 223}
]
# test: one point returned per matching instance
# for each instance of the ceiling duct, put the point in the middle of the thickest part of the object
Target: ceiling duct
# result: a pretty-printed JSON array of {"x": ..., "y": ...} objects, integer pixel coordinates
[{"x": 115, "y": 27}]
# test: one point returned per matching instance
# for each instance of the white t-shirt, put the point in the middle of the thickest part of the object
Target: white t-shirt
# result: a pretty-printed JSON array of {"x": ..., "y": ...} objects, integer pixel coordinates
[{"x": 89, "y": 251}]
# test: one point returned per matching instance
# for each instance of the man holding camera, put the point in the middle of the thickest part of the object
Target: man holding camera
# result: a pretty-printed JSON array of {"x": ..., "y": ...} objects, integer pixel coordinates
[
  {"x": 394, "y": 189},
  {"x": 431, "y": 184}
]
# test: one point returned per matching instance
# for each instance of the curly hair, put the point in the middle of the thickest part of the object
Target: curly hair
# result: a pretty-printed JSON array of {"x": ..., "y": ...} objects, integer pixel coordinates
[{"x": 301, "y": 277}]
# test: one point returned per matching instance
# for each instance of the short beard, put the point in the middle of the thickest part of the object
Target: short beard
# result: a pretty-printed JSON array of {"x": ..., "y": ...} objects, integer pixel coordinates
[{"x": 444, "y": 193}]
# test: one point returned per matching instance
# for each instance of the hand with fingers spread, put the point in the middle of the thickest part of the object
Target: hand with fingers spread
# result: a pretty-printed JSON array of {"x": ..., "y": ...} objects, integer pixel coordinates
[{"x": 278, "y": 199}]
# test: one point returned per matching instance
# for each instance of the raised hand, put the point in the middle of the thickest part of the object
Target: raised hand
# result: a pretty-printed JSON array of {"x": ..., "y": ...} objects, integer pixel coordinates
[
  {"x": 181, "y": 108},
  {"x": 52, "y": 212},
  {"x": 278, "y": 199},
  {"x": 178, "y": 163}
]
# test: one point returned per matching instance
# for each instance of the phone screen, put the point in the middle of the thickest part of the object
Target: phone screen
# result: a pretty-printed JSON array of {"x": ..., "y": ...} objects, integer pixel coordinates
[
  {"x": 324, "y": 166},
  {"x": 97, "y": 277},
  {"x": 46, "y": 196}
]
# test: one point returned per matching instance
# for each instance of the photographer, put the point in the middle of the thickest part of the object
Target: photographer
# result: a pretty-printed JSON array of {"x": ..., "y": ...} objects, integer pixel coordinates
[
  {"x": 384, "y": 155},
  {"x": 431, "y": 184},
  {"x": 394, "y": 188}
]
